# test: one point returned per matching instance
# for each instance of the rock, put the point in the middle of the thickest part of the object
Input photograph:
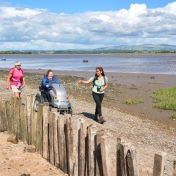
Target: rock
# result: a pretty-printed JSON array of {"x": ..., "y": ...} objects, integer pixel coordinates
[
  {"x": 30, "y": 149},
  {"x": 25, "y": 174},
  {"x": 13, "y": 139}
]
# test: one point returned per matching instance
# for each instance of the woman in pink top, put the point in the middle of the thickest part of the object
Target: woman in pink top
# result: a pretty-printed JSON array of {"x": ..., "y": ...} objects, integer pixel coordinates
[{"x": 16, "y": 80}]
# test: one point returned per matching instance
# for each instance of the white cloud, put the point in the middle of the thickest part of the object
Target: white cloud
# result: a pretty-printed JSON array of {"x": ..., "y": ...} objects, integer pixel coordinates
[{"x": 24, "y": 28}]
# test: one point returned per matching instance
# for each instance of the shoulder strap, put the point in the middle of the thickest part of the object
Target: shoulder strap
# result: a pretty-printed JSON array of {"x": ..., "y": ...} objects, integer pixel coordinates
[
  {"x": 104, "y": 80},
  {"x": 93, "y": 82}
]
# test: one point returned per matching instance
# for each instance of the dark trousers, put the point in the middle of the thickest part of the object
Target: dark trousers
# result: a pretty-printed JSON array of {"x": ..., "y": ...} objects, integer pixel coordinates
[{"x": 98, "y": 98}]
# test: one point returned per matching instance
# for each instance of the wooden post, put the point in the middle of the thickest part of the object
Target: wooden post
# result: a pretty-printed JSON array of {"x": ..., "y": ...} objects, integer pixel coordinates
[
  {"x": 17, "y": 117},
  {"x": 7, "y": 108},
  {"x": 121, "y": 164},
  {"x": 108, "y": 152},
  {"x": 159, "y": 161},
  {"x": 34, "y": 121},
  {"x": 23, "y": 119},
  {"x": 39, "y": 129},
  {"x": 12, "y": 104},
  {"x": 91, "y": 149},
  {"x": 73, "y": 126},
  {"x": 56, "y": 147},
  {"x": 21, "y": 123},
  {"x": 174, "y": 168},
  {"x": 51, "y": 137},
  {"x": 131, "y": 162},
  {"x": 45, "y": 131},
  {"x": 29, "y": 118},
  {"x": 1, "y": 121},
  {"x": 63, "y": 162},
  {"x": 82, "y": 150},
  {"x": 3, "y": 116},
  {"x": 98, "y": 154}
]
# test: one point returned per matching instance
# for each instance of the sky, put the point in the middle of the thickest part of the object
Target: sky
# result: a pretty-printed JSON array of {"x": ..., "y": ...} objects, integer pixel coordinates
[{"x": 78, "y": 24}]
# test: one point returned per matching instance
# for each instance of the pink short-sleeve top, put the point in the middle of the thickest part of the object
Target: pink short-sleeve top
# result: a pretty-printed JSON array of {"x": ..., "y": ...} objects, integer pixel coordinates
[{"x": 17, "y": 77}]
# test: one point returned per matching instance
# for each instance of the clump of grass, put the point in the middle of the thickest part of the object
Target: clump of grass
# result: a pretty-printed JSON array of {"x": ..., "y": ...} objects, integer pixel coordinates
[
  {"x": 173, "y": 116},
  {"x": 133, "y": 101},
  {"x": 165, "y": 98}
]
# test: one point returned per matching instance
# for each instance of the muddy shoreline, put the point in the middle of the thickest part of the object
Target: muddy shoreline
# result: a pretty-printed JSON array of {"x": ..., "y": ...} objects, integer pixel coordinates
[{"x": 123, "y": 86}]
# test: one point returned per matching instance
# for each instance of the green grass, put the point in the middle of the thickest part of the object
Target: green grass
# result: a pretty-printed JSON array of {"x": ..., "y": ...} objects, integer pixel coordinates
[
  {"x": 133, "y": 101},
  {"x": 165, "y": 98}
]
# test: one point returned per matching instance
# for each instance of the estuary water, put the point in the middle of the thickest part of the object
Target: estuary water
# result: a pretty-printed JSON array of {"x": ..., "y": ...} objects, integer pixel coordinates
[{"x": 110, "y": 63}]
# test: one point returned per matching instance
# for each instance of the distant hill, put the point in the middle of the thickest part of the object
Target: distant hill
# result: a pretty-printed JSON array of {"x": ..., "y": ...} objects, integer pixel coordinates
[{"x": 148, "y": 48}]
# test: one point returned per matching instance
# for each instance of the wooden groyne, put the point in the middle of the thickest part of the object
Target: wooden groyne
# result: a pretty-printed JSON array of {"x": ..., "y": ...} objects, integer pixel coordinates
[{"x": 77, "y": 146}]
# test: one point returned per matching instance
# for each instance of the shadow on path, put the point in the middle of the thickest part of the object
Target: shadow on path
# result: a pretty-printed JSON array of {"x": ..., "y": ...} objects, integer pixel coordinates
[{"x": 88, "y": 115}]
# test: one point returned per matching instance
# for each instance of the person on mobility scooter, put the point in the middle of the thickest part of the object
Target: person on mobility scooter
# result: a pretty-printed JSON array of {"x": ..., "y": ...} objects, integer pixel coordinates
[
  {"x": 46, "y": 85},
  {"x": 52, "y": 91}
]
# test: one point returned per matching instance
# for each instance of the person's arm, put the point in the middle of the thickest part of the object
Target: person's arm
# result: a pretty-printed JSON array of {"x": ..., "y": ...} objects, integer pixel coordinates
[
  {"x": 44, "y": 83},
  {"x": 84, "y": 81},
  {"x": 102, "y": 89},
  {"x": 23, "y": 82},
  {"x": 106, "y": 85},
  {"x": 8, "y": 81},
  {"x": 56, "y": 80}
]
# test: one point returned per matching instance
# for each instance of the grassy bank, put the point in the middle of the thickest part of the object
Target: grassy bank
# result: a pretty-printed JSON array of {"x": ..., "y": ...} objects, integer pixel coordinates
[{"x": 165, "y": 98}]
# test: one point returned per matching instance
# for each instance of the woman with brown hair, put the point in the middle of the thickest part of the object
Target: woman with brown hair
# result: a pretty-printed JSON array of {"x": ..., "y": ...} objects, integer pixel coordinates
[{"x": 100, "y": 83}]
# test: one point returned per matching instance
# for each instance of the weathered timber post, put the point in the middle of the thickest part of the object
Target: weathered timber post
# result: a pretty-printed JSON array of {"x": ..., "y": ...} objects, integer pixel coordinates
[
  {"x": 56, "y": 147},
  {"x": 91, "y": 149},
  {"x": 17, "y": 117},
  {"x": 12, "y": 107},
  {"x": 174, "y": 168},
  {"x": 109, "y": 152},
  {"x": 82, "y": 137},
  {"x": 23, "y": 123},
  {"x": 73, "y": 126},
  {"x": 98, "y": 154},
  {"x": 121, "y": 162},
  {"x": 7, "y": 108},
  {"x": 51, "y": 137},
  {"x": 131, "y": 162},
  {"x": 3, "y": 116},
  {"x": 1, "y": 121},
  {"x": 45, "y": 131},
  {"x": 159, "y": 161},
  {"x": 29, "y": 109},
  {"x": 39, "y": 129},
  {"x": 63, "y": 158}
]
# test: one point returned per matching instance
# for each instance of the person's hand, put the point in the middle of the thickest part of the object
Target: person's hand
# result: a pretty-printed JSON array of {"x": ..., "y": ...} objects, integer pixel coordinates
[
  {"x": 79, "y": 81},
  {"x": 8, "y": 87},
  {"x": 22, "y": 86},
  {"x": 102, "y": 89}
]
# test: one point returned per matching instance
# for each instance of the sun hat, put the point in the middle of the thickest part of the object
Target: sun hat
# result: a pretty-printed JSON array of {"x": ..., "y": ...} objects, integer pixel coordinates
[{"x": 17, "y": 63}]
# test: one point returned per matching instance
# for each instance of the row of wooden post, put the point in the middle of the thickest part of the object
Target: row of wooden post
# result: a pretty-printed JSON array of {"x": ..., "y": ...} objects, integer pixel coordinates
[{"x": 77, "y": 146}]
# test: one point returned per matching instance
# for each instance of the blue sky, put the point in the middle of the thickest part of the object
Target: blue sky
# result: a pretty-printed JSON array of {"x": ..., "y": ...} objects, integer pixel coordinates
[
  {"x": 76, "y": 6},
  {"x": 77, "y": 24}
]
